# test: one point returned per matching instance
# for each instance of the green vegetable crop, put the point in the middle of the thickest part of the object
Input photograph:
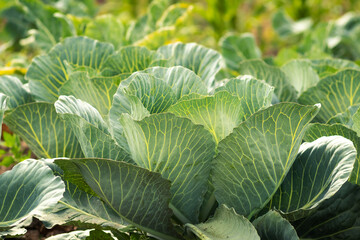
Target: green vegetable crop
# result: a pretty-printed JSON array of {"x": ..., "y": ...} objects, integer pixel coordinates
[{"x": 181, "y": 141}]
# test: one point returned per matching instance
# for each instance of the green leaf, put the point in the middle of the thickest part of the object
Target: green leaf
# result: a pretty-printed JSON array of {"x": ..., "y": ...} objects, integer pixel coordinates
[
  {"x": 226, "y": 224},
  {"x": 219, "y": 114},
  {"x": 124, "y": 103},
  {"x": 317, "y": 130},
  {"x": 29, "y": 189},
  {"x": 107, "y": 28},
  {"x": 253, "y": 160},
  {"x": 97, "y": 91},
  {"x": 329, "y": 66},
  {"x": 130, "y": 59},
  {"x": 286, "y": 54},
  {"x": 147, "y": 23},
  {"x": 154, "y": 12},
  {"x": 320, "y": 169},
  {"x": 138, "y": 30},
  {"x": 13, "y": 88},
  {"x": 90, "y": 129},
  {"x": 285, "y": 26},
  {"x": 272, "y": 75},
  {"x": 43, "y": 130},
  {"x": 336, "y": 93},
  {"x": 203, "y": 61},
  {"x": 159, "y": 25},
  {"x": 223, "y": 75},
  {"x": 336, "y": 218},
  {"x": 181, "y": 80},
  {"x": 345, "y": 118},
  {"x": 81, "y": 209},
  {"x": 174, "y": 15},
  {"x": 51, "y": 25},
  {"x": 47, "y": 73},
  {"x": 273, "y": 226},
  {"x": 253, "y": 94},
  {"x": 238, "y": 47},
  {"x": 148, "y": 87},
  {"x": 300, "y": 74},
  {"x": 138, "y": 196},
  {"x": 356, "y": 120},
  {"x": 157, "y": 38},
  {"x": 178, "y": 149},
  {"x": 72, "y": 106},
  {"x": 155, "y": 94}
]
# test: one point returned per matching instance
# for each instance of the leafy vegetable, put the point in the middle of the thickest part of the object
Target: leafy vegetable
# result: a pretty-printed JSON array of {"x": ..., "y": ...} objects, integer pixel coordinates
[
  {"x": 178, "y": 141},
  {"x": 225, "y": 224},
  {"x": 254, "y": 160},
  {"x": 32, "y": 194}
]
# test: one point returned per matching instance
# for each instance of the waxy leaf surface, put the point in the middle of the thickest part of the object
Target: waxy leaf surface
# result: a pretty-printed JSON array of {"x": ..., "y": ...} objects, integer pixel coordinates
[
  {"x": 254, "y": 159},
  {"x": 178, "y": 149}
]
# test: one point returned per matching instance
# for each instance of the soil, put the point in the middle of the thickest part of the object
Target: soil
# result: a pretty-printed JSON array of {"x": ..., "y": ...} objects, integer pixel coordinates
[{"x": 37, "y": 231}]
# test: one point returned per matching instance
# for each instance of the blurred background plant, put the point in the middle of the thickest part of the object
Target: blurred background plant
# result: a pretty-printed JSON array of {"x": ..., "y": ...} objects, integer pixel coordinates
[
  {"x": 210, "y": 19},
  {"x": 12, "y": 150}
]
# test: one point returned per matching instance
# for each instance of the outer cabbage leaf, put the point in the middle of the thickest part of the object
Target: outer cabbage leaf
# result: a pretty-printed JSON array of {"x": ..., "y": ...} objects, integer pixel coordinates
[
  {"x": 329, "y": 66},
  {"x": 320, "y": 169},
  {"x": 131, "y": 59},
  {"x": 356, "y": 120},
  {"x": 13, "y": 88},
  {"x": 336, "y": 218},
  {"x": 253, "y": 94},
  {"x": 29, "y": 189},
  {"x": 203, "y": 61},
  {"x": 90, "y": 129},
  {"x": 345, "y": 118},
  {"x": 136, "y": 195},
  {"x": 254, "y": 159},
  {"x": 97, "y": 91},
  {"x": 178, "y": 149},
  {"x": 273, "y": 226},
  {"x": 181, "y": 80},
  {"x": 300, "y": 74},
  {"x": 219, "y": 114},
  {"x": 155, "y": 94},
  {"x": 47, "y": 135},
  {"x": 153, "y": 90},
  {"x": 225, "y": 224},
  {"x": 78, "y": 207},
  {"x": 335, "y": 93},
  {"x": 317, "y": 130},
  {"x": 48, "y": 73},
  {"x": 272, "y": 75}
]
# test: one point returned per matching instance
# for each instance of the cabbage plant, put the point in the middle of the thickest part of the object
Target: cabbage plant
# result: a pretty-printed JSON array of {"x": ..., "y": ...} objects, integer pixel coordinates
[{"x": 151, "y": 142}]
